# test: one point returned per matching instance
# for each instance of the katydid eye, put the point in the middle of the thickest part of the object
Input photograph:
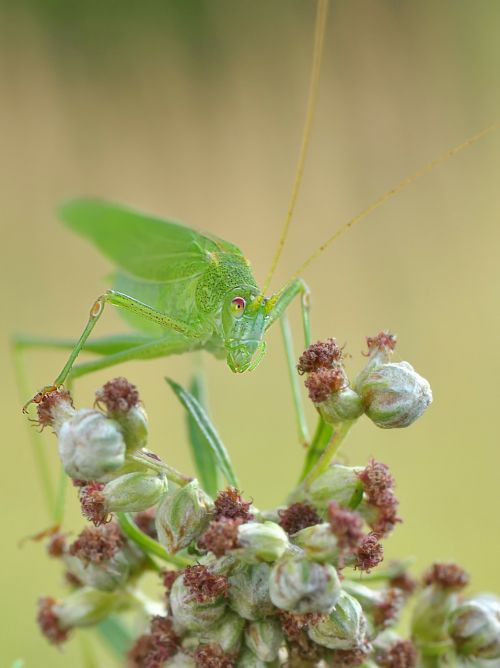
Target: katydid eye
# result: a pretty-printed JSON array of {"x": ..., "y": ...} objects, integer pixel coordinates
[{"x": 238, "y": 306}]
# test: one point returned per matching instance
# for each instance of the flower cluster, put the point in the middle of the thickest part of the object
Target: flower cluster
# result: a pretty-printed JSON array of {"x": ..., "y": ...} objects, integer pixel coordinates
[{"x": 299, "y": 585}]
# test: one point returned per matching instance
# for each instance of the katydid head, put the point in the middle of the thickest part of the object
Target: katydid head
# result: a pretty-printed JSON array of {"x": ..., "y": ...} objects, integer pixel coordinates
[{"x": 244, "y": 316}]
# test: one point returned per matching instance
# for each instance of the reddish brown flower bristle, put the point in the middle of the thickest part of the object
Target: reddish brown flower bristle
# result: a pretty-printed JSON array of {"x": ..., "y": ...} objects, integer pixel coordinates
[
  {"x": 57, "y": 544},
  {"x": 388, "y": 611},
  {"x": 204, "y": 585},
  {"x": 97, "y": 544},
  {"x": 49, "y": 622},
  {"x": 348, "y": 658},
  {"x": 322, "y": 354},
  {"x": 322, "y": 383},
  {"x": 153, "y": 649},
  {"x": 145, "y": 520},
  {"x": 378, "y": 486},
  {"x": 229, "y": 503},
  {"x": 93, "y": 503},
  {"x": 47, "y": 404},
  {"x": 446, "y": 575},
  {"x": 118, "y": 395},
  {"x": 294, "y": 624},
  {"x": 221, "y": 536},
  {"x": 382, "y": 341},
  {"x": 400, "y": 654},
  {"x": 169, "y": 577},
  {"x": 212, "y": 656},
  {"x": 298, "y": 516},
  {"x": 404, "y": 582},
  {"x": 369, "y": 553},
  {"x": 347, "y": 526}
]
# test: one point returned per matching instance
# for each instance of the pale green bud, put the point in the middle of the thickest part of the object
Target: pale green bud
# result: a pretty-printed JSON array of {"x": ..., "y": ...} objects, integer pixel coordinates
[
  {"x": 264, "y": 637},
  {"x": 338, "y": 483},
  {"x": 430, "y": 615},
  {"x": 109, "y": 574},
  {"x": 299, "y": 585},
  {"x": 249, "y": 592},
  {"x": 247, "y": 659},
  {"x": 343, "y": 628},
  {"x": 265, "y": 541},
  {"x": 134, "y": 424},
  {"x": 182, "y": 516},
  {"x": 180, "y": 660},
  {"x": 341, "y": 406},
  {"x": 191, "y": 614},
  {"x": 318, "y": 542},
  {"x": 134, "y": 492},
  {"x": 228, "y": 633},
  {"x": 86, "y": 607},
  {"x": 394, "y": 395},
  {"x": 382, "y": 607},
  {"x": 90, "y": 445},
  {"x": 475, "y": 628}
]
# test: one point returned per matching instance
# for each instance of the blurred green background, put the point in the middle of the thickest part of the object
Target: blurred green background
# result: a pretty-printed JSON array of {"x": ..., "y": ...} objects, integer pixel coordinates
[{"x": 194, "y": 110}]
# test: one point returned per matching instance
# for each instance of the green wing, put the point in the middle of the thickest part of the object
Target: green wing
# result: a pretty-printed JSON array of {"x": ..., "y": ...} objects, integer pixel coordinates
[{"x": 144, "y": 246}]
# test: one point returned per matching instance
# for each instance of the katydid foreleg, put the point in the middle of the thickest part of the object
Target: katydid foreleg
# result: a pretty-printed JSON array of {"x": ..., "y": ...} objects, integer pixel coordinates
[{"x": 128, "y": 303}]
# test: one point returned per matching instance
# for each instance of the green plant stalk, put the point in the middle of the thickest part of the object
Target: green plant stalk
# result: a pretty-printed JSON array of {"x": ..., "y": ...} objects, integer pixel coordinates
[
  {"x": 149, "y": 545},
  {"x": 321, "y": 437},
  {"x": 172, "y": 475},
  {"x": 329, "y": 452}
]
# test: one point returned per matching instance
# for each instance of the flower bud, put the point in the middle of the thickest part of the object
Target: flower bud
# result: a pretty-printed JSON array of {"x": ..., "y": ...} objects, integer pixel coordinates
[
  {"x": 84, "y": 607},
  {"x": 430, "y": 615},
  {"x": 264, "y": 637},
  {"x": 134, "y": 492},
  {"x": 344, "y": 628},
  {"x": 182, "y": 516},
  {"x": 249, "y": 592},
  {"x": 382, "y": 607},
  {"x": 318, "y": 542},
  {"x": 394, "y": 395},
  {"x": 90, "y": 445},
  {"x": 247, "y": 659},
  {"x": 180, "y": 660},
  {"x": 338, "y": 483},
  {"x": 341, "y": 406},
  {"x": 192, "y": 614},
  {"x": 299, "y": 585},
  {"x": 264, "y": 541},
  {"x": 475, "y": 628},
  {"x": 228, "y": 633}
]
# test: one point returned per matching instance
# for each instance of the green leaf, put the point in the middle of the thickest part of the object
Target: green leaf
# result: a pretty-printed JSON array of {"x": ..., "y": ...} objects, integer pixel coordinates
[
  {"x": 116, "y": 635},
  {"x": 212, "y": 437},
  {"x": 202, "y": 453}
]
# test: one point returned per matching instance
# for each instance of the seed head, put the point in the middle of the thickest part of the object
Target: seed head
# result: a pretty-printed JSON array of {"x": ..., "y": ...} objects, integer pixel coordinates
[
  {"x": 212, "y": 656},
  {"x": 229, "y": 504},
  {"x": 399, "y": 654},
  {"x": 322, "y": 354},
  {"x": 221, "y": 536},
  {"x": 204, "y": 585},
  {"x": 324, "y": 382},
  {"x": 298, "y": 516},
  {"x": 346, "y": 525},
  {"x": 152, "y": 649},
  {"x": 369, "y": 553},
  {"x": 384, "y": 342},
  {"x": 97, "y": 544},
  {"x": 93, "y": 503},
  {"x": 349, "y": 658},
  {"x": 54, "y": 408},
  {"x": 118, "y": 396},
  {"x": 49, "y": 623},
  {"x": 446, "y": 575}
]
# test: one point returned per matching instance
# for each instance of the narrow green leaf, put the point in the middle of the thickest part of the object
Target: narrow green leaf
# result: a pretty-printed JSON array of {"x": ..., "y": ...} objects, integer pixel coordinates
[
  {"x": 202, "y": 453},
  {"x": 208, "y": 430},
  {"x": 116, "y": 635}
]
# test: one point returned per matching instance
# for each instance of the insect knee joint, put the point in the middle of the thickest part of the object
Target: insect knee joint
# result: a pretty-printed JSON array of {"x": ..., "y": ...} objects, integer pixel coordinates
[{"x": 97, "y": 308}]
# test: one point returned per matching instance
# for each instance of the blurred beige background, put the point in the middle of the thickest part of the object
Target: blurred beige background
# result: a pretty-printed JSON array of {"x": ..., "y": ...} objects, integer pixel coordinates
[{"x": 194, "y": 110}]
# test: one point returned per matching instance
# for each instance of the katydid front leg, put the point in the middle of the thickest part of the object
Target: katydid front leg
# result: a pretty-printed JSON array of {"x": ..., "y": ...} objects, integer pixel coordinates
[
  {"x": 122, "y": 301},
  {"x": 285, "y": 297}
]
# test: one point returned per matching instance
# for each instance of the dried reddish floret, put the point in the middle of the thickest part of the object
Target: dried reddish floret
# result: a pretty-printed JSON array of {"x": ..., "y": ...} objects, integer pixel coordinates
[
  {"x": 322, "y": 354},
  {"x": 229, "y": 503},
  {"x": 382, "y": 341},
  {"x": 404, "y": 582},
  {"x": 118, "y": 395},
  {"x": 377, "y": 481},
  {"x": 57, "y": 544},
  {"x": 221, "y": 536},
  {"x": 169, "y": 577},
  {"x": 48, "y": 621},
  {"x": 446, "y": 575},
  {"x": 348, "y": 658},
  {"x": 48, "y": 402},
  {"x": 153, "y": 649},
  {"x": 145, "y": 520},
  {"x": 97, "y": 544},
  {"x": 93, "y": 503},
  {"x": 347, "y": 526},
  {"x": 205, "y": 585},
  {"x": 322, "y": 383},
  {"x": 400, "y": 654},
  {"x": 369, "y": 553},
  {"x": 294, "y": 625},
  {"x": 212, "y": 656},
  {"x": 388, "y": 610},
  {"x": 298, "y": 516}
]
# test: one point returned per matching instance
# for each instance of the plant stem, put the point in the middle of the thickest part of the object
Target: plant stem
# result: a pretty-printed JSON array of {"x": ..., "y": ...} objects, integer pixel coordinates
[
  {"x": 321, "y": 437},
  {"x": 149, "y": 545},
  {"x": 339, "y": 433},
  {"x": 160, "y": 467}
]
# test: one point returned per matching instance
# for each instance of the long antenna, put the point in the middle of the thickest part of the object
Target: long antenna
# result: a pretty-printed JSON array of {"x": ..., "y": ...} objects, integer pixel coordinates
[
  {"x": 319, "y": 38},
  {"x": 394, "y": 191}
]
